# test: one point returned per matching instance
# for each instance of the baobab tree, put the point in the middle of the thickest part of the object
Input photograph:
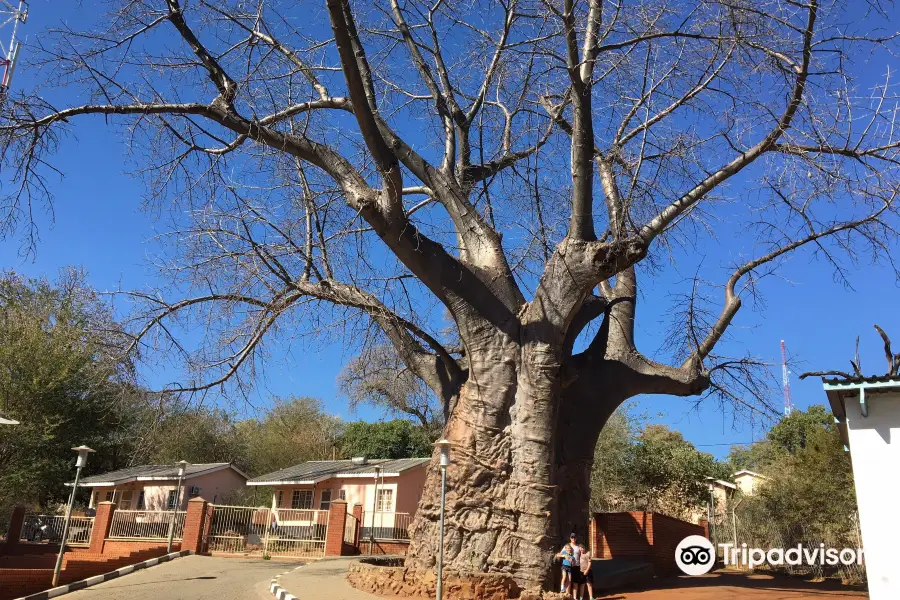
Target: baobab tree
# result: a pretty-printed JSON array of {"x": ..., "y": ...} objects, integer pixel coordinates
[{"x": 485, "y": 183}]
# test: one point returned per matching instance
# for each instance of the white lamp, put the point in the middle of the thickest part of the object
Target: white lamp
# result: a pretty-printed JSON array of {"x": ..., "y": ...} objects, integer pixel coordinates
[
  {"x": 83, "y": 452},
  {"x": 182, "y": 467}
]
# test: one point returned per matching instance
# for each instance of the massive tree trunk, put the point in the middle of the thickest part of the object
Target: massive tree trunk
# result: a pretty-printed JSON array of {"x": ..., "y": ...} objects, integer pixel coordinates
[{"x": 523, "y": 433}]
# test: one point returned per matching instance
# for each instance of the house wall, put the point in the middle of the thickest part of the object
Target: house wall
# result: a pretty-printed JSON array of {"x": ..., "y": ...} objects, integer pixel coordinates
[
  {"x": 748, "y": 484},
  {"x": 156, "y": 493},
  {"x": 361, "y": 490},
  {"x": 875, "y": 451}
]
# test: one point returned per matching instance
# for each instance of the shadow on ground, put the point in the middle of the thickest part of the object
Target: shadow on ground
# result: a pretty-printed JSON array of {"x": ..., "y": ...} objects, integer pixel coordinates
[{"x": 739, "y": 586}]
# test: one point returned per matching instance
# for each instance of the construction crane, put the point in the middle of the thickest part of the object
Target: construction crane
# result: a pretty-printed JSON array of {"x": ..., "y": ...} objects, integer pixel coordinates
[
  {"x": 786, "y": 380},
  {"x": 10, "y": 14}
]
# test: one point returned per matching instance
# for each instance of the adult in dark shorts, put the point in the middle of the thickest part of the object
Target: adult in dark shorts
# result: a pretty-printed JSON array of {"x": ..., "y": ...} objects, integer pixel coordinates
[{"x": 587, "y": 573}]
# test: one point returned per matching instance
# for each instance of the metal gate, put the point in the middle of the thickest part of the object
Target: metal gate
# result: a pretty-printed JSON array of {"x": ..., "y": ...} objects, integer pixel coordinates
[{"x": 253, "y": 531}]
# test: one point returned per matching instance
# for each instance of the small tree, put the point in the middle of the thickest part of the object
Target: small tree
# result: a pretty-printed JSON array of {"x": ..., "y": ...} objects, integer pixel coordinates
[
  {"x": 388, "y": 439},
  {"x": 62, "y": 377},
  {"x": 513, "y": 164}
]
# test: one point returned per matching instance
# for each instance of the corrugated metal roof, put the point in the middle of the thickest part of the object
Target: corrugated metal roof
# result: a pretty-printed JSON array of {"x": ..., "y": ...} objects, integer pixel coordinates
[
  {"x": 858, "y": 380},
  {"x": 316, "y": 470},
  {"x": 155, "y": 471}
]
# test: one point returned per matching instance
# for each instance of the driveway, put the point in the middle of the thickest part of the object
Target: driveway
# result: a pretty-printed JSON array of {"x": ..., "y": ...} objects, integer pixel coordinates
[{"x": 193, "y": 578}]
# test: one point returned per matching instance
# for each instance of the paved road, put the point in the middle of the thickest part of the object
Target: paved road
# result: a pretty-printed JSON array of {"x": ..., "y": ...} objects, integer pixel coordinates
[{"x": 192, "y": 578}]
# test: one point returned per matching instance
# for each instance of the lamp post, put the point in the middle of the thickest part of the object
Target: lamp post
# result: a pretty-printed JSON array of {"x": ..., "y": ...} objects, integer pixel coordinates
[
  {"x": 374, "y": 510},
  {"x": 83, "y": 452},
  {"x": 444, "y": 446},
  {"x": 182, "y": 465}
]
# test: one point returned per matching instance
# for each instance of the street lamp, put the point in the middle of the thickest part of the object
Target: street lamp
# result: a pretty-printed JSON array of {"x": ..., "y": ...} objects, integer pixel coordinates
[
  {"x": 374, "y": 509},
  {"x": 182, "y": 466},
  {"x": 83, "y": 452},
  {"x": 444, "y": 447}
]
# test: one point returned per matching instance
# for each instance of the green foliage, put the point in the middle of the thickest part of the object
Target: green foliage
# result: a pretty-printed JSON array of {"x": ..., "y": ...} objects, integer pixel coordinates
[
  {"x": 197, "y": 435},
  {"x": 785, "y": 438},
  {"x": 809, "y": 496},
  {"x": 294, "y": 430},
  {"x": 387, "y": 439},
  {"x": 62, "y": 378},
  {"x": 650, "y": 467}
]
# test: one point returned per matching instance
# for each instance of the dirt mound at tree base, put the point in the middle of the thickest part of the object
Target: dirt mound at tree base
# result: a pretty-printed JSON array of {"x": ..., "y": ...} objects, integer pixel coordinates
[{"x": 388, "y": 577}]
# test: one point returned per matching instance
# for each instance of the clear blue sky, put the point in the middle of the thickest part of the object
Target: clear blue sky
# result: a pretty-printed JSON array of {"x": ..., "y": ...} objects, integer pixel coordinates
[{"x": 99, "y": 226}]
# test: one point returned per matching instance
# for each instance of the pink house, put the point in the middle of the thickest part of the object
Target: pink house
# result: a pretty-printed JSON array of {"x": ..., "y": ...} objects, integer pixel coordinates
[
  {"x": 153, "y": 487},
  {"x": 387, "y": 489}
]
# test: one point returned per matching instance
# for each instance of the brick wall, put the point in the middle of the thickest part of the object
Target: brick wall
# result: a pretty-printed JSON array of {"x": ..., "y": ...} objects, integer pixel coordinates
[
  {"x": 23, "y": 575},
  {"x": 641, "y": 535},
  {"x": 382, "y": 547},
  {"x": 28, "y": 568}
]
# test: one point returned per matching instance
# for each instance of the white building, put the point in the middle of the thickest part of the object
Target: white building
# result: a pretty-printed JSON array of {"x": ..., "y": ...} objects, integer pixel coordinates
[
  {"x": 868, "y": 415},
  {"x": 748, "y": 482}
]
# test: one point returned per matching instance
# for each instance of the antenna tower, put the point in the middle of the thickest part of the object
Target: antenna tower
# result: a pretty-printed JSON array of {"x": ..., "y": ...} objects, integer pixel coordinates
[
  {"x": 15, "y": 14},
  {"x": 786, "y": 380}
]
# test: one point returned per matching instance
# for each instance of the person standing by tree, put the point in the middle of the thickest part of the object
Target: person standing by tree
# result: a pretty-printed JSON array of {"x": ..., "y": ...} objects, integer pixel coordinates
[{"x": 587, "y": 573}]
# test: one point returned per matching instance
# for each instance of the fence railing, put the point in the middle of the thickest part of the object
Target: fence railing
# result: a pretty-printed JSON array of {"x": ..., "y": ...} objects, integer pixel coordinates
[
  {"x": 49, "y": 528},
  {"x": 263, "y": 531},
  {"x": 350, "y": 530},
  {"x": 388, "y": 526},
  {"x": 145, "y": 524}
]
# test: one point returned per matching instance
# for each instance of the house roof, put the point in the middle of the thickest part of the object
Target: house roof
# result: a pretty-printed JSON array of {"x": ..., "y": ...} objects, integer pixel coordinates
[
  {"x": 154, "y": 473},
  {"x": 856, "y": 388},
  {"x": 727, "y": 484},
  {"x": 751, "y": 473},
  {"x": 314, "y": 471},
  {"x": 5, "y": 421}
]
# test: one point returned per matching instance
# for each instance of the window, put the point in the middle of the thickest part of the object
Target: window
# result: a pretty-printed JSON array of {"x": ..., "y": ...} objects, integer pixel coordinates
[
  {"x": 325, "y": 502},
  {"x": 141, "y": 503},
  {"x": 342, "y": 495},
  {"x": 280, "y": 502},
  {"x": 171, "y": 502},
  {"x": 193, "y": 492},
  {"x": 302, "y": 499},
  {"x": 125, "y": 503},
  {"x": 385, "y": 501},
  {"x": 109, "y": 496}
]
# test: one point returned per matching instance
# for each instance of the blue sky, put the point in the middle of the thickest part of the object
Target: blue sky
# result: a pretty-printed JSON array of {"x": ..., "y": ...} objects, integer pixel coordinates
[{"x": 98, "y": 225}]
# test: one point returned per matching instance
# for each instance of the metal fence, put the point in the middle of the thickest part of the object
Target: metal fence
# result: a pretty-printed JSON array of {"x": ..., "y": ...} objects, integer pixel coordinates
[
  {"x": 387, "y": 526},
  {"x": 145, "y": 524},
  {"x": 350, "y": 525},
  {"x": 256, "y": 531},
  {"x": 49, "y": 528}
]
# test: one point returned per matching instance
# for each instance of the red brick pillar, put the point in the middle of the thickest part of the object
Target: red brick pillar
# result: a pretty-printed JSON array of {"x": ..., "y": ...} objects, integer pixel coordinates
[
  {"x": 334, "y": 536},
  {"x": 195, "y": 525},
  {"x": 358, "y": 513},
  {"x": 705, "y": 525},
  {"x": 102, "y": 524},
  {"x": 16, "y": 522}
]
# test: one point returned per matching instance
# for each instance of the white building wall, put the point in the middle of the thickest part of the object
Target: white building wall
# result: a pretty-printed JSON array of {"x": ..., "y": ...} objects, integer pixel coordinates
[{"x": 875, "y": 453}]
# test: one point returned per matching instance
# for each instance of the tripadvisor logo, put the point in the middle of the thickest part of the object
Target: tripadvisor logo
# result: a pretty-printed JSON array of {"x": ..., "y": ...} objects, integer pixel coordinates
[{"x": 695, "y": 555}]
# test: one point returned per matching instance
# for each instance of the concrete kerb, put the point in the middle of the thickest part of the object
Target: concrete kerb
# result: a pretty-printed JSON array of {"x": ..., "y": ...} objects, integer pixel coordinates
[
  {"x": 279, "y": 592},
  {"x": 96, "y": 579}
]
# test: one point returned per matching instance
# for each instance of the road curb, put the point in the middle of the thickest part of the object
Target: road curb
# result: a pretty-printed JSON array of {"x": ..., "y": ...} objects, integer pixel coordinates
[
  {"x": 91, "y": 581},
  {"x": 279, "y": 592}
]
